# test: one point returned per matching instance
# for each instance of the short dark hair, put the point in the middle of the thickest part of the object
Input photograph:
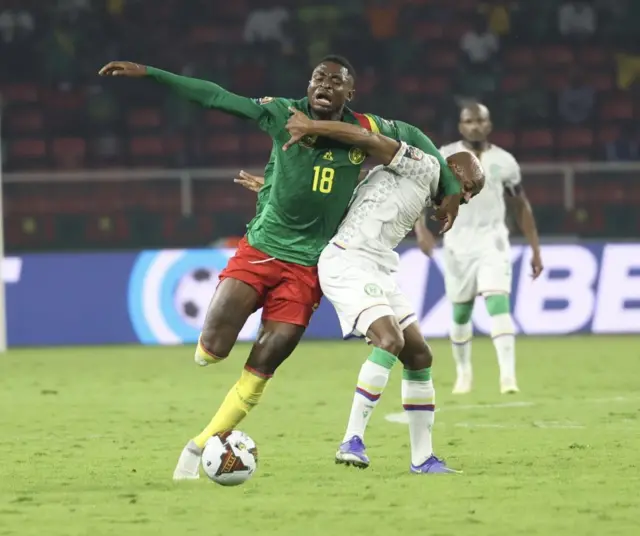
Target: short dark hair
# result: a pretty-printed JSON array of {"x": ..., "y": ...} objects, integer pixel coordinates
[{"x": 340, "y": 60}]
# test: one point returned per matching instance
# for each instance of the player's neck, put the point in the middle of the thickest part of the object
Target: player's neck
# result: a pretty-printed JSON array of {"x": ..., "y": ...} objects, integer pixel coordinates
[
  {"x": 478, "y": 147},
  {"x": 333, "y": 116}
]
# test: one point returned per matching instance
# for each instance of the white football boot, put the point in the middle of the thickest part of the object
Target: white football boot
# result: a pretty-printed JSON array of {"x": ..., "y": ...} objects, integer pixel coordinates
[{"x": 188, "y": 467}]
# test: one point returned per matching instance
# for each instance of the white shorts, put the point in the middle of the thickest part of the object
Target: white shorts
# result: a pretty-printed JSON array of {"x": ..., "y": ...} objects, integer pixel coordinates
[
  {"x": 361, "y": 291},
  {"x": 468, "y": 275}
]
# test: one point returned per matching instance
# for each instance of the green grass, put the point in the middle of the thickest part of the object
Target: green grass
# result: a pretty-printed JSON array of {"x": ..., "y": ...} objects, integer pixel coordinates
[{"x": 90, "y": 438}]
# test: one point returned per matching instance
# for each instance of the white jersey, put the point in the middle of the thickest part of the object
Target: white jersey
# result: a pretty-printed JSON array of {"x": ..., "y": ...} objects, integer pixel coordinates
[
  {"x": 387, "y": 203},
  {"x": 482, "y": 221}
]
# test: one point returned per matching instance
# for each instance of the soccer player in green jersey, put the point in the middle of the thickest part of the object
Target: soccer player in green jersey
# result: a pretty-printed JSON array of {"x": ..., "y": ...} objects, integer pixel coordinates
[{"x": 310, "y": 186}]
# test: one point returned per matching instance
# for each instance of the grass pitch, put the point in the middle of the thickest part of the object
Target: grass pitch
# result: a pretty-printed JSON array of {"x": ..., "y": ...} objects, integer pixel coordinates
[{"x": 90, "y": 437}]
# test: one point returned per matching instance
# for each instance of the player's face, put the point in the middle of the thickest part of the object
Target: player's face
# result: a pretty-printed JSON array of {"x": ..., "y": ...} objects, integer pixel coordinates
[
  {"x": 471, "y": 187},
  {"x": 329, "y": 88},
  {"x": 475, "y": 125}
]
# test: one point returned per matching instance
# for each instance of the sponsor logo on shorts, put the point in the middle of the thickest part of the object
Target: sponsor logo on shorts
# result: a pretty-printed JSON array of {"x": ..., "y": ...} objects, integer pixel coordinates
[
  {"x": 356, "y": 156},
  {"x": 265, "y": 100},
  {"x": 373, "y": 290}
]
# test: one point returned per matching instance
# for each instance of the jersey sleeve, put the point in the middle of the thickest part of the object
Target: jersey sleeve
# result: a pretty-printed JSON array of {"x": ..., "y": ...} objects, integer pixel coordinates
[
  {"x": 512, "y": 178},
  {"x": 267, "y": 112},
  {"x": 378, "y": 125},
  {"x": 419, "y": 139},
  {"x": 411, "y": 162}
]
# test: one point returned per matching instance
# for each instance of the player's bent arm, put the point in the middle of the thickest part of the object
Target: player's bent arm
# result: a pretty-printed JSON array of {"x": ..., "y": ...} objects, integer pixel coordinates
[
  {"x": 380, "y": 147},
  {"x": 208, "y": 94}
]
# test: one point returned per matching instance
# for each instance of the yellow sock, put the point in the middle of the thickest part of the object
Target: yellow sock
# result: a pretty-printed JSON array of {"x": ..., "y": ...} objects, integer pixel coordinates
[
  {"x": 203, "y": 357},
  {"x": 240, "y": 400}
]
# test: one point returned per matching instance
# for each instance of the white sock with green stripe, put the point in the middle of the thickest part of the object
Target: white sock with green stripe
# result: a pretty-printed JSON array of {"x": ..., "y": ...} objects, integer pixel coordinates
[
  {"x": 419, "y": 399},
  {"x": 373, "y": 378}
]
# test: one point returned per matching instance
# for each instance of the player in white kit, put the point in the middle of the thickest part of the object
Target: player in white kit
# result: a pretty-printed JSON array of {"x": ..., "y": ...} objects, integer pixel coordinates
[
  {"x": 356, "y": 274},
  {"x": 477, "y": 255}
]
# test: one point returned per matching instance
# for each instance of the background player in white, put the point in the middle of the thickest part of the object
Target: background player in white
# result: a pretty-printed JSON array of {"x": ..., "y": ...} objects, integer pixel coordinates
[
  {"x": 477, "y": 257},
  {"x": 356, "y": 274}
]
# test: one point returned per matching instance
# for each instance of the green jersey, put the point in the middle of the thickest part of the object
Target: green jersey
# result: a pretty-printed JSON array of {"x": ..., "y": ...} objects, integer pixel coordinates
[
  {"x": 263, "y": 193},
  {"x": 308, "y": 187},
  {"x": 398, "y": 130}
]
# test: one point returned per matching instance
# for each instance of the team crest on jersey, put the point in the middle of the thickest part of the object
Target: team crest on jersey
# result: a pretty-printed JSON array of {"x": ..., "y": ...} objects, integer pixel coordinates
[
  {"x": 414, "y": 153},
  {"x": 265, "y": 100},
  {"x": 356, "y": 156},
  {"x": 308, "y": 141},
  {"x": 373, "y": 290}
]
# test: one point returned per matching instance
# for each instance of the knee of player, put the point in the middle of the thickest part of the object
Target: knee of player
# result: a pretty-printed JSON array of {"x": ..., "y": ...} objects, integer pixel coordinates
[
  {"x": 392, "y": 342},
  {"x": 424, "y": 358},
  {"x": 214, "y": 344},
  {"x": 270, "y": 350}
]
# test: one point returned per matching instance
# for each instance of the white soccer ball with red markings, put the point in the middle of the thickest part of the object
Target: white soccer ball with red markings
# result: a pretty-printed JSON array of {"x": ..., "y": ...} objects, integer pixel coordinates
[{"x": 230, "y": 458}]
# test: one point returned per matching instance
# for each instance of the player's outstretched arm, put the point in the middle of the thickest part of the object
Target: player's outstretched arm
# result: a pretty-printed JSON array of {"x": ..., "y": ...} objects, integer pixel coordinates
[
  {"x": 205, "y": 93},
  {"x": 376, "y": 145}
]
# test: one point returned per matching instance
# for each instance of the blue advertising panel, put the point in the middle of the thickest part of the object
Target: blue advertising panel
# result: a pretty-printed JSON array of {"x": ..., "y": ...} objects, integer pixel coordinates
[{"x": 160, "y": 297}]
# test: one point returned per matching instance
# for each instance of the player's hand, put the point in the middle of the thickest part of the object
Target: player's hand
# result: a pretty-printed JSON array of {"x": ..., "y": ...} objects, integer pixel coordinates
[
  {"x": 123, "y": 68},
  {"x": 536, "y": 265},
  {"x": 447, "y": 211},
  {"x": 249, "y": 181},
  {"x": 299, "y": 126}
]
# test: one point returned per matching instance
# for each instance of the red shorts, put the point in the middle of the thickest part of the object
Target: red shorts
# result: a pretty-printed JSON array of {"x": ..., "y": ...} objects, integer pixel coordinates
[{"x": 288, "y": 292}]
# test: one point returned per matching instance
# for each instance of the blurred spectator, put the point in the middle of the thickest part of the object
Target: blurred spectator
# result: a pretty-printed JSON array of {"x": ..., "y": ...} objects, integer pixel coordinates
[
  {"x": 480, "y": 44},
  {"x": 267, "y": 24},
  {"x": 628, "y": 66},
  {"x": 576, "y": 102},
  {"x": 59, "y": 48},
  {"x": 498, "y": 14},
  {"x": 475, "y": 84},
  {"x": 102, "y": 107},
  {"x": 528, "y": 104},
  {"x": 627, "y": 147},
  {"x": 383, "y": 19},
  {"x": 576, "y": 19},
  {"x": 321, "y": 23},
  {"x": 115, "y": 8},
  {"x": 73, "y": 9},
  {"x": 15, "y": 24},
  {"x": 535, "y": 21}
]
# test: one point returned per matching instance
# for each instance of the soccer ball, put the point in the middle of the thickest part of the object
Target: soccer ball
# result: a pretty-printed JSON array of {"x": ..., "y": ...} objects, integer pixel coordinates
[
  {"x": 193, "y": 294},
  {"x": 230, "y": 458}
]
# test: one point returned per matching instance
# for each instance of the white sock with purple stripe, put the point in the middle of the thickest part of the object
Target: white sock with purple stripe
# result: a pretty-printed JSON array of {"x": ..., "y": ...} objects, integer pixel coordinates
[
  {"x": 418, "y": 399},
  {"x": 373, "y": 378}
]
